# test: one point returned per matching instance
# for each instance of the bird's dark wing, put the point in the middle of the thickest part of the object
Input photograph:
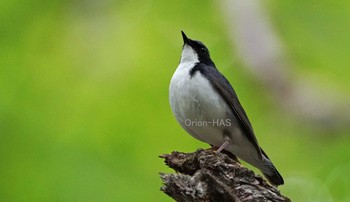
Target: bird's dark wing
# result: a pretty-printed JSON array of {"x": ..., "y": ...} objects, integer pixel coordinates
[{"x": 224, "y": 88}]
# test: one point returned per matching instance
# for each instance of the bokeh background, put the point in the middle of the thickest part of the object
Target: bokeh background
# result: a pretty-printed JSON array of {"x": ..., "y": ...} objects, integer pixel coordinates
[{"x": 84, "y": 110}]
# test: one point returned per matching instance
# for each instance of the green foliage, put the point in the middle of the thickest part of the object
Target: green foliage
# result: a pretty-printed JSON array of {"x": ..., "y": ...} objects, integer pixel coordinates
[{"x": 84, "y": 108}]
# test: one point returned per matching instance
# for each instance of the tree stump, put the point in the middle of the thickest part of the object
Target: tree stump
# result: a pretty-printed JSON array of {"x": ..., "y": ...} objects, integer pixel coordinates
[{"x": 208, "y": 176}]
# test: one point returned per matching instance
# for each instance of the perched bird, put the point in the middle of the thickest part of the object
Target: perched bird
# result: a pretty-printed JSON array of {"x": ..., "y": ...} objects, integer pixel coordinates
[{"x": 206, "y": 106}]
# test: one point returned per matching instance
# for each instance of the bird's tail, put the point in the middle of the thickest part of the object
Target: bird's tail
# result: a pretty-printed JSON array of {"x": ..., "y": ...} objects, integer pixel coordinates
[{"x": 270, "y": 172}]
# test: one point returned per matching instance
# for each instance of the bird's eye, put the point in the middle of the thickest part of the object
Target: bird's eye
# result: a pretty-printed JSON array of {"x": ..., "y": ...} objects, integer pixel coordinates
[{"x": 203, "y": 50}]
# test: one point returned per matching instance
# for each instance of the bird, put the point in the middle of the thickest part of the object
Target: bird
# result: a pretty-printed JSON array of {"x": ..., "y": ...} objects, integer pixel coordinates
[{"x": 207, "y": 107}]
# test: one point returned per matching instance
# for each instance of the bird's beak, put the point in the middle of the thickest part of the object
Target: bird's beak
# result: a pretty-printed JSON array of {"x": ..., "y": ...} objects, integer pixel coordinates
[{"x": 184, "y": 37}]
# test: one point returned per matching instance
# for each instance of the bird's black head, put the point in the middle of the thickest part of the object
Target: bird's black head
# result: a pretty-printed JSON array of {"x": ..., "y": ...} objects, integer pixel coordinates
[{"x": 199, "y": 48}]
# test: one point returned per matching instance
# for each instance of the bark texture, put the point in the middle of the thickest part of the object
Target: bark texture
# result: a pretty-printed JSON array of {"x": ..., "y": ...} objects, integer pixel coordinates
[{"x": 208, "y": 176}]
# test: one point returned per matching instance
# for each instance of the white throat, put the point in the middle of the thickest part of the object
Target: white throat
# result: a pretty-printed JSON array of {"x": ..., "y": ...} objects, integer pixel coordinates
[{"x": 189, "y": 55}]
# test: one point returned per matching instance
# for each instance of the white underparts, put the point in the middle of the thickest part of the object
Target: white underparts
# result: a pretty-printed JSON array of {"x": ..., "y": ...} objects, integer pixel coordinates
[{"x": 189, "y": 55}]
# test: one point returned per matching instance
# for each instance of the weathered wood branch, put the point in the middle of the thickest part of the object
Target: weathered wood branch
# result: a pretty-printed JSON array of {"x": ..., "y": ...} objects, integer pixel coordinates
[{"x": 208, "y": 176}]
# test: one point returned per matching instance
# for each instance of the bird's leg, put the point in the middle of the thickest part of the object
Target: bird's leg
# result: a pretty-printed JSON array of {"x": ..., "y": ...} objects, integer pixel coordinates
[{"x": 223, "y": 146}]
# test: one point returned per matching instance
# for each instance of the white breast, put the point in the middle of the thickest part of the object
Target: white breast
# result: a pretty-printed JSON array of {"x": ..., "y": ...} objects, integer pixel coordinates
[{"x": 197, "y": 106}]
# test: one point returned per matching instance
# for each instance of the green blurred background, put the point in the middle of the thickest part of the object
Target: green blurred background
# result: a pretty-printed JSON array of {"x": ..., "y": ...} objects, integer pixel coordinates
[{"x": 84, "y": 110}]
